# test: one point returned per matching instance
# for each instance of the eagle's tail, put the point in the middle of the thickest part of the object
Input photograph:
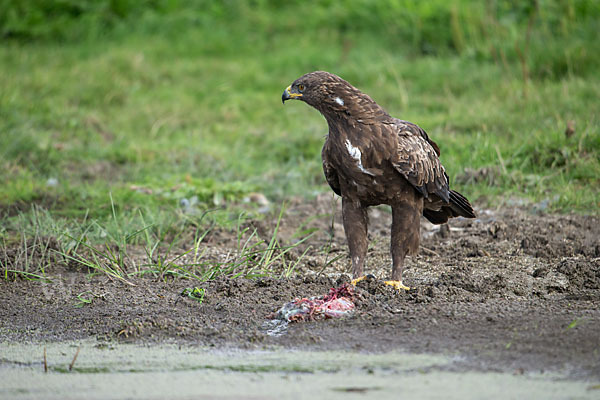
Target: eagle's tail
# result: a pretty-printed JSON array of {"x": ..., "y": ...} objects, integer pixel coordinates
[{"x": 458, "y": 206}]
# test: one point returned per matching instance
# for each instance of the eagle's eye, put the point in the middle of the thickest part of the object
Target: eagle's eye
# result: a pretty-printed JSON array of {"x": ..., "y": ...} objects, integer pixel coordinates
[{"x": 301, "y": 88}]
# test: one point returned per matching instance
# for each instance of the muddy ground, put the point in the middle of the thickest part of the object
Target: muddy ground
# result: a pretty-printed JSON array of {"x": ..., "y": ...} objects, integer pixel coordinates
[{"x": 512, "y": 291}]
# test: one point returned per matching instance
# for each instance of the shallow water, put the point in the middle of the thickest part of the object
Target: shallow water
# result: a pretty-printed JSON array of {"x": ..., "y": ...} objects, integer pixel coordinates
[{"x": 113, "y": 370}]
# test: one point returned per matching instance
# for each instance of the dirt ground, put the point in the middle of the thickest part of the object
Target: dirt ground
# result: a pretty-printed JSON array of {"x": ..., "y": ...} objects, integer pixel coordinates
[{"x": 510, "y": 291}]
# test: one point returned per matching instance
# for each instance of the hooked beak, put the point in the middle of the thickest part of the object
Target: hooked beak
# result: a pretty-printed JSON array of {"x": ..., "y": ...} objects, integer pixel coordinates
[{"x": 288, "y": 94}]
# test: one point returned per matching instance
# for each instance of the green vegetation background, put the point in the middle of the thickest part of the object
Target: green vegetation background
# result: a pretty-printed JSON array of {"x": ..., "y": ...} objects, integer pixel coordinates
[{"x": 124, "y": 109}]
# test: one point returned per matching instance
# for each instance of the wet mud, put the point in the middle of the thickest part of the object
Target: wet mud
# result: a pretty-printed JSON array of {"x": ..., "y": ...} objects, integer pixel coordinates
[{"x": 512, "y": 291}]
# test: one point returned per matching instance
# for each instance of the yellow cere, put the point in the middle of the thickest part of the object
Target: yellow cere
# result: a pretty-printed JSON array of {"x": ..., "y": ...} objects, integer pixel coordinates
[{"x": 289, "y": 92}]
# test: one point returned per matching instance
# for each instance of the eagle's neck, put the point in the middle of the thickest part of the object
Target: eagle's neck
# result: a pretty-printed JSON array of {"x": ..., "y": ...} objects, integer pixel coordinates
[
  {"x": 353, "y": 112},
  {"x": 348, "y": 104}
]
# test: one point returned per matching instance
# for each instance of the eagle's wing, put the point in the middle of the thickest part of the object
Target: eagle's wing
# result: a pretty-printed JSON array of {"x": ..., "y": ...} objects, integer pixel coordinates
[
  {"x": 416, "y": 158},
  {"x": 330, "y": 173}
]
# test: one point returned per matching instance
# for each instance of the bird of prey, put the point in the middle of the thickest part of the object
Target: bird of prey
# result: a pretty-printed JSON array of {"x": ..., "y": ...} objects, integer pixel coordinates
[{"x": 371, "y": 158}]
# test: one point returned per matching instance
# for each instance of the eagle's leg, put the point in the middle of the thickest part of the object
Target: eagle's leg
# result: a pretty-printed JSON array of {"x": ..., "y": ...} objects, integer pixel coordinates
[
  {"x": 355, "y": 225},
  {"x": 405, "y": 238}
]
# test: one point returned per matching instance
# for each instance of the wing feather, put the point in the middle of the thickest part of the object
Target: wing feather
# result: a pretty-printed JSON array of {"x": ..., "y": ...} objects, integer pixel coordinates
[
  {"x": 417, "y": 160},
  {"x": 331, "y": 174}
]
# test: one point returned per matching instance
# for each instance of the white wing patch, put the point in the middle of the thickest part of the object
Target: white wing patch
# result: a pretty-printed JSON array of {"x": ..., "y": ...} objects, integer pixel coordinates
[
  {"x": 357, "y": 155},
  {"x": 339, "y": 101}
]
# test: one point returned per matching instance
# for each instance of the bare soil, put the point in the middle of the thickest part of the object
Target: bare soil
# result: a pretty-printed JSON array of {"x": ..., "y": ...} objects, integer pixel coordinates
[{"x": 510, "y": 291}]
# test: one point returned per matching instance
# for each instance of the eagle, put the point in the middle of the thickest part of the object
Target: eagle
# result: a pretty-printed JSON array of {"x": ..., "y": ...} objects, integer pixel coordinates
[{"x": 370, "y": 158}]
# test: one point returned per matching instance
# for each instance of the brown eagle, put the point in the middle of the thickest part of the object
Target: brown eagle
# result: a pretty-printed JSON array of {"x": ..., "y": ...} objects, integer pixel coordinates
[{"x": 371, "y": 158}]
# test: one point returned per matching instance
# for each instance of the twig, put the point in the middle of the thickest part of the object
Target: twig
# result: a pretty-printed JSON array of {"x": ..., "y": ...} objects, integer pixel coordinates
[
  {"x": 430, "y": 251},
  {"x": 45, "y": 363},
  {"x": 74, "y": 358},
  {"x": 525, "y": 53}
]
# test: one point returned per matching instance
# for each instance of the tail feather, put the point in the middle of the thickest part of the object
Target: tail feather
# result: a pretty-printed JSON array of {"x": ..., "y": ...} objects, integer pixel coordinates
[
  {"x": 458, "y": 206},
  {"x": 436, "y": 217}
]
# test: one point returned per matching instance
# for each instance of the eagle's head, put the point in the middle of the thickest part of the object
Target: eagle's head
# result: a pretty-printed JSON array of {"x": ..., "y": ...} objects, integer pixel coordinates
[
  {"x": 331, "y": 95},
  {"x": 318, "y": 89}
]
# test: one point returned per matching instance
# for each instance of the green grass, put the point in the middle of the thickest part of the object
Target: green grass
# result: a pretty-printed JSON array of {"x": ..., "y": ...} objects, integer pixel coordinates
[{"x": 113, "y": 117}]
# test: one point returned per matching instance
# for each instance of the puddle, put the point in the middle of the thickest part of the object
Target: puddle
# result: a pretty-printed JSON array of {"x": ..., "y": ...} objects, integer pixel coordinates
[{"x": 106, "y": 371}]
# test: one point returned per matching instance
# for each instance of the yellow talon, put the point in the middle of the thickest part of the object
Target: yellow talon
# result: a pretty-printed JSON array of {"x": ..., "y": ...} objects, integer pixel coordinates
[
  {"x": 396, "y": 285},
  {"x": 353, "y": 282}
]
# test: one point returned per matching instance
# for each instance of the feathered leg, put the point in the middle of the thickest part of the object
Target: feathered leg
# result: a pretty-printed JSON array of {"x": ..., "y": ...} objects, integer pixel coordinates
[
  {"x": 405, "y": 238},
  {"x": 355, "y": 225}
]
